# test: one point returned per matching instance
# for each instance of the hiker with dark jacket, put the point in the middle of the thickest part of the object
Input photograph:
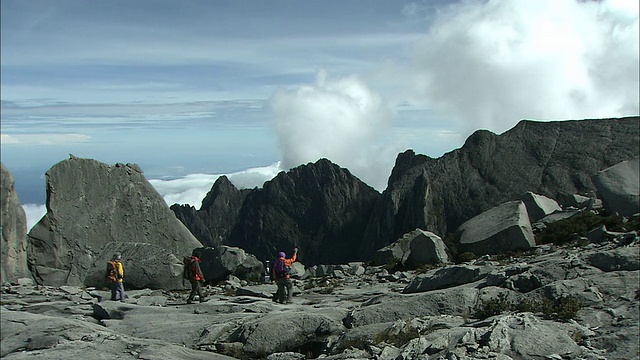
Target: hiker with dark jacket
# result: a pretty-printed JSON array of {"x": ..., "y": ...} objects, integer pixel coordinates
[
  {"x": 194, "y": 274},
  {"x": 115, "y": 277},
  {"x": 282, "y": 275}
]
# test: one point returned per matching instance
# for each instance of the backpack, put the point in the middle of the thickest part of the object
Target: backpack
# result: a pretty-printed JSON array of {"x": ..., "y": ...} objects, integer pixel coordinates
[
  {"x": 187, "y": 273},
  {"x": 112, "y": 272},
  {"x": 281, "y": 269}
]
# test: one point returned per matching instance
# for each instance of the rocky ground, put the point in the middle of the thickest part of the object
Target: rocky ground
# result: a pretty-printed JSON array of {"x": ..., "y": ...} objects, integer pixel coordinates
[{"x": 574, "y": 302}]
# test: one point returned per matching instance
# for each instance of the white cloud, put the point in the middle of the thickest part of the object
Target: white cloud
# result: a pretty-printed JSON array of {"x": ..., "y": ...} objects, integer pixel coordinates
[
  {"x": 340, "y": 119},
  {"x": 493, "y": 63},
  {"x": 9, "y": 139}
]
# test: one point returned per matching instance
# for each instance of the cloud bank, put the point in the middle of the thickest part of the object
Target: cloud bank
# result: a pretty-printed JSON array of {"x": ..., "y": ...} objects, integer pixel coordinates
[{"x": 492, "y": 63}]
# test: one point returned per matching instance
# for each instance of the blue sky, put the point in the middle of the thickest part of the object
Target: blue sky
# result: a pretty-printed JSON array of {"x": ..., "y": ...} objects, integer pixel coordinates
[{"x": 190, "y": 90}]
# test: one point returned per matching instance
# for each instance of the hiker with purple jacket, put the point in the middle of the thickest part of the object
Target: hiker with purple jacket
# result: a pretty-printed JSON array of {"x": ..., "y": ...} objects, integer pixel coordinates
[{"x": 282, "y": 275}]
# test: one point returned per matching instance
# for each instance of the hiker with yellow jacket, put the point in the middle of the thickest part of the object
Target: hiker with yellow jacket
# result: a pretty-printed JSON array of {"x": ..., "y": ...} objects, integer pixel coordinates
[{"x": 115, "y": 277}]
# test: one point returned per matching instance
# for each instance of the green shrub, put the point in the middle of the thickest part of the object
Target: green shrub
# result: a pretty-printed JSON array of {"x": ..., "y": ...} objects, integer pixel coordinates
[
  {"x": 492, "y": 307},
  {"x": 568, "y": 307}
]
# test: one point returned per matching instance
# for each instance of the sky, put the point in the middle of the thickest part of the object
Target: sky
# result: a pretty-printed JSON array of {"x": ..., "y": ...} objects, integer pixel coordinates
[{"x": 191, "y": 90}]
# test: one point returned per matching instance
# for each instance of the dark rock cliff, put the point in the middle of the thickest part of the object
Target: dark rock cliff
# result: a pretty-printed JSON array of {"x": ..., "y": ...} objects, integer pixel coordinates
[
  {"x": 319, "y": 207},
  {"x": 555, "y": 159}
]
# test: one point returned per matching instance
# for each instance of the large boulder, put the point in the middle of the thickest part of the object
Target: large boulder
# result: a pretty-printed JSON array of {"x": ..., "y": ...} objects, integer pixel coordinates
[
  {"x": 218, "y": 263},
  {"x": 415, "y": 248},
  {"x": 447, "y": 277},
  {"x": 539, "y": 206},
  {"x": 95, "y": 210},
  {"x": 497, "y": 230},
  {"x": 13, "y": 222},
  {"x": 619, "y": 187}
]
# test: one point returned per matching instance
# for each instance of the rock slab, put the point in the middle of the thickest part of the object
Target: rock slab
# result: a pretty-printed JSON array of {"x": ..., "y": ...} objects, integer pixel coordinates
[{"x": 497, "y": 230}]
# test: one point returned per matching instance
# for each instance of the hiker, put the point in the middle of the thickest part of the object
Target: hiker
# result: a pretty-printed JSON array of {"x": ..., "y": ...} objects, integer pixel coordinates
[
  {"x": 115, "y": 277},
  {"x": 282, "y": 275},
  {"x": 193, "y": 273}
]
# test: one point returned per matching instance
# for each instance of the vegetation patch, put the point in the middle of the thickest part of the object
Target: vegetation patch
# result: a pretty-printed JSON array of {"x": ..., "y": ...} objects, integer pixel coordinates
[
  {"x": 566, "y": 230},
  {"x": 564, "y": 309},
  {"x": 397, "y": 338}
]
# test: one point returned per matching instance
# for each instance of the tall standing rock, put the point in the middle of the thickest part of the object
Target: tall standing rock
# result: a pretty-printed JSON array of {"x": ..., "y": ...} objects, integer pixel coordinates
[
  {"x": 14, "y": 231},
  {"x": 95, "y": 210},
  {"x": 619, "y": 187}
]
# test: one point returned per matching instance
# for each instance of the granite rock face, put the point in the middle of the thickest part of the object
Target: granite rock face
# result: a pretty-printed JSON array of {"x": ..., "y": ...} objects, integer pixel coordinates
[
  {"x": 553, "y": 159},
  {"x": 619, "y": 187},
  {"x": 14, "y": 231},
  {"x": 95, "y": 210},
  {"x": 334, "y": 218}
]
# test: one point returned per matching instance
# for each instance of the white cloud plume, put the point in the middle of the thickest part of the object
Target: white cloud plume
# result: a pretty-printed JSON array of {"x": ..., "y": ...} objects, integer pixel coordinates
[
  {"x": 340, "y": 119},
  {"x": 495, "y": 62}
]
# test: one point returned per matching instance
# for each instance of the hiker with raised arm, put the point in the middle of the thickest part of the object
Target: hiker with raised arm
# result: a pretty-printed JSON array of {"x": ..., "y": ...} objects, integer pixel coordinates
[{"x": 282, "y": 276}]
